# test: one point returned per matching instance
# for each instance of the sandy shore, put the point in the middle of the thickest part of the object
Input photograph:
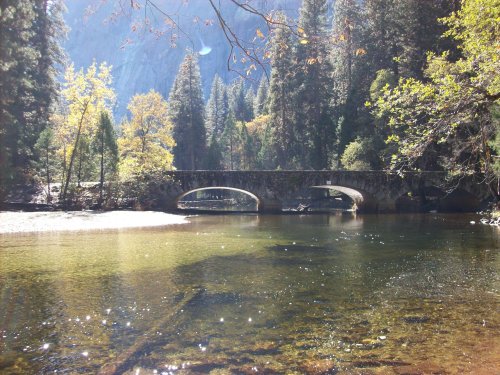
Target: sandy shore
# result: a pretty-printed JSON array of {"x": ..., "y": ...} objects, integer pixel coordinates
[{"x": 22, "y": 222}]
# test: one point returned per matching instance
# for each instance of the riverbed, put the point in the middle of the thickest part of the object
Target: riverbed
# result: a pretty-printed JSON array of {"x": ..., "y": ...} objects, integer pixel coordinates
[{"x": 245, "y": 294}]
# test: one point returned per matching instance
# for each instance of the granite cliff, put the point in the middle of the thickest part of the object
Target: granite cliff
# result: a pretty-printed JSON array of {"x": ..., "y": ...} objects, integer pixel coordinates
[{"x": 142, "y": 61}]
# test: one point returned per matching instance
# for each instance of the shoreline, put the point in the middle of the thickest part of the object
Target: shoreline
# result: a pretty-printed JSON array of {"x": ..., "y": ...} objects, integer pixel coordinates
[{"x": 12, "y": 222}]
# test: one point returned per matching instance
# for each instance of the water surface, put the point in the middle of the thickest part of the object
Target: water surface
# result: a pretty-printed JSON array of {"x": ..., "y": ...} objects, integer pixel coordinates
[{"x": 387, "y": 294}]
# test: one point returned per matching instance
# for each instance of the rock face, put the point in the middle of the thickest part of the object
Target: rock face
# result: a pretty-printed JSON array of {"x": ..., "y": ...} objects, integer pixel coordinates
[{"x": 104, "y": 31}]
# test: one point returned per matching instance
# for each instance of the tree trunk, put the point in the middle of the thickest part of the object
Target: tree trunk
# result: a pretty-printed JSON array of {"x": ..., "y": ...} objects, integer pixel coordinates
[
  {"x": 48, "y": 175},
  {"x": 191, "y": 130},
  {"x": 101, "y": 184},
  {"x": 72, "y": 159},
  {"x": 79, "y": 174}
]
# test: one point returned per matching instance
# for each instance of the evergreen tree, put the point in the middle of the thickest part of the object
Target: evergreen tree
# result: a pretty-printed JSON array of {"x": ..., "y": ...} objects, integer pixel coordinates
[
  {"x": 247, "y": 149},
  {"x": 347, "y": 60},
  {"x": 187, "y": 115},
  {"x": 260, "y": 106},
  {"x": 240, "y": 101},
  {"x": 107, "y": 150},
  {"x": 346, "y": 48},
  {"x": 420, "y": 31},
  {"x": 214, "y": 155},
  {"x": 381, "y": 35},
  {"x": 217, "y": 108},
  {"x": 314, "y": 124},
  {"x": 29, "y": 33},
  {"x": 230, "y": 142},
  {"x": 249, "y": 99},
  {"x": 281, "y": 97},
  {"x": 46, "y": 158},
  {"x": 266, "y": 158},
  {"x": 398, "y": 33}
]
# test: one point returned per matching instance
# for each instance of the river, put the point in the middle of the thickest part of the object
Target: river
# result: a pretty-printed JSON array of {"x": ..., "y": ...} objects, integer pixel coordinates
[{"x": 245, "y": 294}]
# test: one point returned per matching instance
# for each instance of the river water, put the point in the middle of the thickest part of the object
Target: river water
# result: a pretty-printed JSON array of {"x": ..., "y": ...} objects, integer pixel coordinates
[{"x": 245, "y": 294}]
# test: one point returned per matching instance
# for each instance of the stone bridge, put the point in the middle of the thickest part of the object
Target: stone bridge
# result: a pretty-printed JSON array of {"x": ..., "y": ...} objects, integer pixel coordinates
[{"x": 371, "y": 191}]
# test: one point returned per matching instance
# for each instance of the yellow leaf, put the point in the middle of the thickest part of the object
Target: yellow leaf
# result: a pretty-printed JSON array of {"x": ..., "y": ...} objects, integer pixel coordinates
[
  {"x": 360, "y": 52},
  {"x": 303, "y": 41},
  {"x": 259, "y": 33},
  {"x": 300, "y": 30}
]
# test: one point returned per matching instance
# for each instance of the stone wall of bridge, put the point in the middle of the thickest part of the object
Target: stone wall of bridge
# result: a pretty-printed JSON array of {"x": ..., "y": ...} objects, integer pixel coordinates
[{"x": 372, "y": 191}]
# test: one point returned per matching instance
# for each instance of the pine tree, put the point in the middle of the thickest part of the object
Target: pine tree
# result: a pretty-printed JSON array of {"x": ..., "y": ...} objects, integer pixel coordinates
[
  {"x": 260, "y": 104},
  {"x": 314, "y": 125},
  {"x": 346, "y": 48},
  {"x": 239, "y": 101},
  {"x": 347, "y": 58},
  {"x": 246, "y": 149},
  {"x": 46, "y": 158},
  {"x": 281, "y": 97},
  {"x": 266, "y": 158},
  {"x": 381, "y": 35},
  {"x": 230, "y": 142},
  {"x": 249, "y": 99},
  {"x": 421, "y": 31},
  {"x": 107, "y": 149},
  {"x": 29, "y": 49},
  {"x": 217, "y": 108},
  {"x": 214, "y": 155},
  {"x": 399, "y": 33},
  {"x": 187, "y": 116}
]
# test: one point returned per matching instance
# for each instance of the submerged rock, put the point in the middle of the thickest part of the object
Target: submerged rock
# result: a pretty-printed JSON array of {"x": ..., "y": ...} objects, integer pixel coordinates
[
  {"x": 420, "y": 369},
  {"x": 416, "y": 319},
  {"x": 318, "y": 367}
]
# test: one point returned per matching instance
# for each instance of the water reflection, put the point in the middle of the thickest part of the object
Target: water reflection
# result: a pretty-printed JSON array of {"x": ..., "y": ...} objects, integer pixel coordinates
[{"x": 303, "y": 294}]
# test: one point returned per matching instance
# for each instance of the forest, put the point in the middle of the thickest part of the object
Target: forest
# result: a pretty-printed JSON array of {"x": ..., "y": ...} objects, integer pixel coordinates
[{"x": 379, "y": 85}]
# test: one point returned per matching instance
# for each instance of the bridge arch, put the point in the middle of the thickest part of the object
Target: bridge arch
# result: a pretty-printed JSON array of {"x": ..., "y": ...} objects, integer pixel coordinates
[
  {"x": 354, "y": 194},
  {"x": 258, "y": 201},
  {"x": 362, "y": 200}
]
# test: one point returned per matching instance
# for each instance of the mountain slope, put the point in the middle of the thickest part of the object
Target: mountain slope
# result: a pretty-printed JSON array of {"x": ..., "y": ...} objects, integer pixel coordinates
[{"x": 142, "y": 61}]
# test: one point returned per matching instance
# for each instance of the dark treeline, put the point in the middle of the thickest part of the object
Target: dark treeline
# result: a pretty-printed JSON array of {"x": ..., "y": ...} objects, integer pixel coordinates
[
  {"x": 374, "y": 87},
  {"x": 29, "y": 52}
]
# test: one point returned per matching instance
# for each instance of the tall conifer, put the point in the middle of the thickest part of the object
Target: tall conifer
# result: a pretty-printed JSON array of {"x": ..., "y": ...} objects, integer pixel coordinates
[
  {"x": 187, "y": 115},
  {"x": 260, "y": 105},
  {"x": 347, "y": 57},
  {"x": 281, "y": 97},
  {"x": 29, "y": 32},
  {"x": 217, "y": 108},
  {"x": 313, "y": 79}
]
